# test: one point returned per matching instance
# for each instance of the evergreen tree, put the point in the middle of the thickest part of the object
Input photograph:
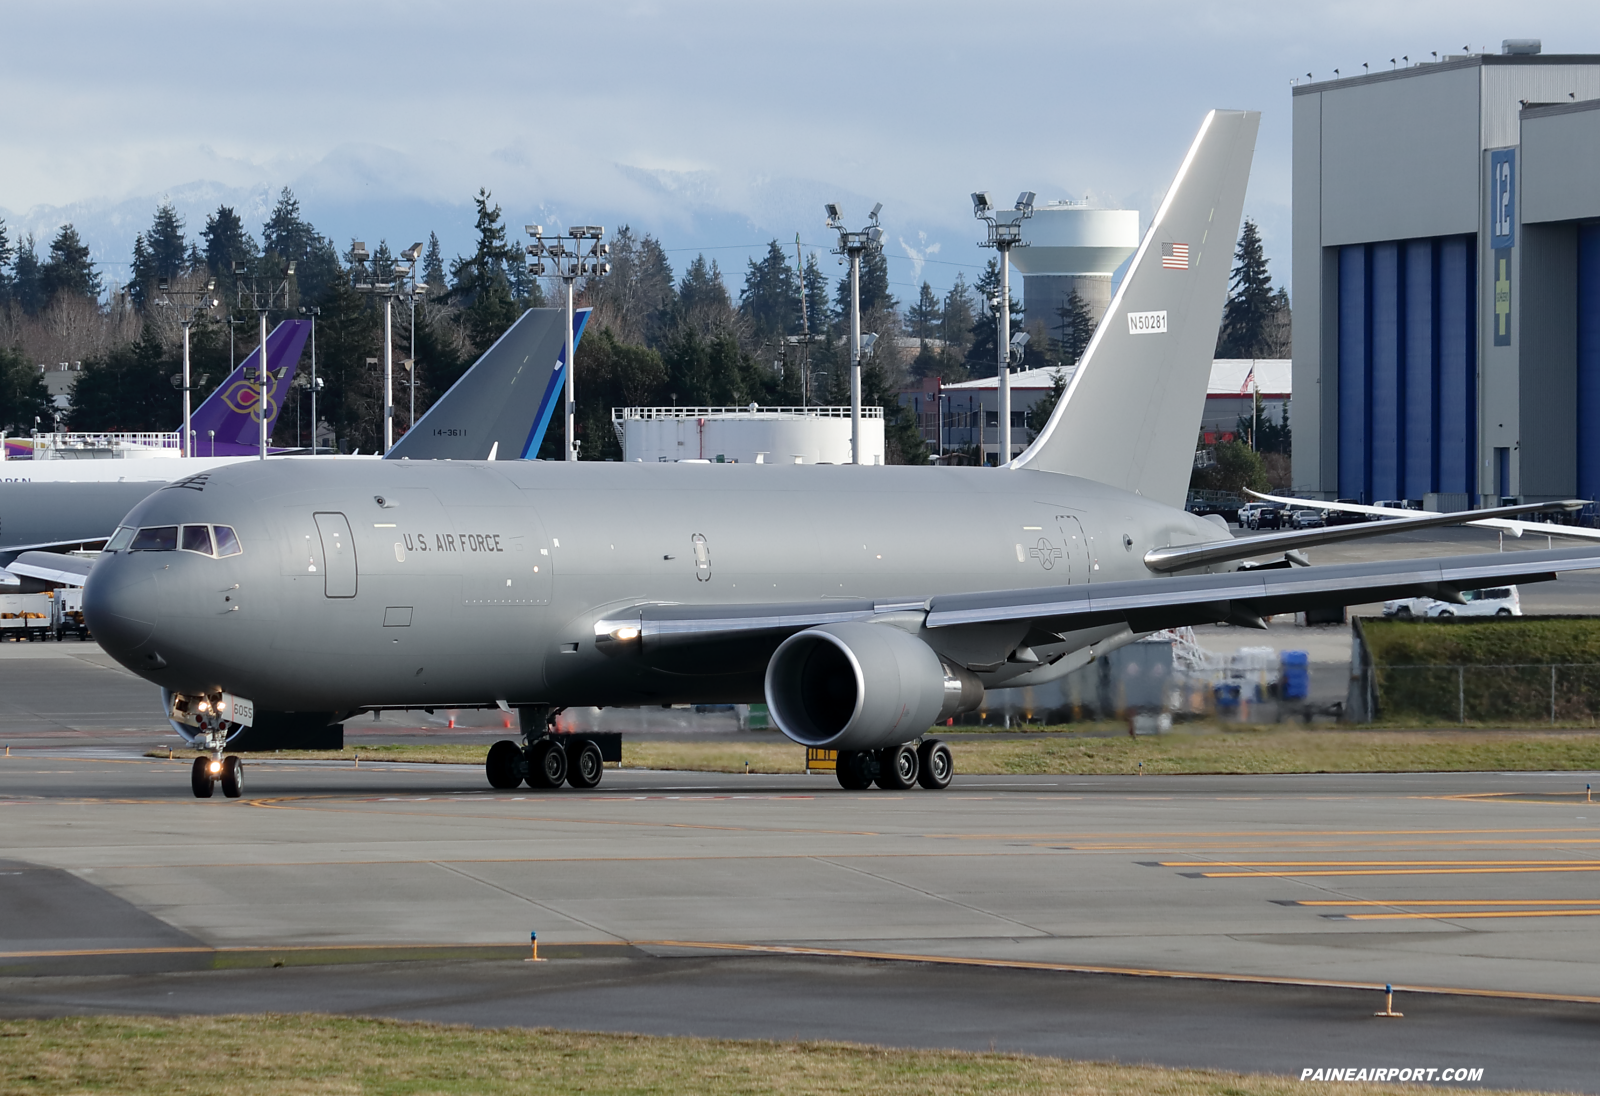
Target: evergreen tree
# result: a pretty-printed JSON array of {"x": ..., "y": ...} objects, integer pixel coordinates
[
  {"x": 874, "y": 285},
  {"x": 27, "y": 281},
  {"x": 637, "y": 298},
  {"x": 981, "y": 355},
  {"x": 902, "y": 436},
  {"x": 1247, "y": 319},
  {"x": 815, "y": 285},
  {"x": 23, "y": 396},
  {"x": 433, "y": 266},
  {"x": 1045, "y": 405},
  {"x": 227, "y": 242},
  {"x": 480, "y": 283},
  {"x": 771, "y": 296},
  {"x": 157, "y": 254},
  {"x": 703, "y": 301},
  {"x": 291, "y": 238},
  {"x": 69, "y": 269},
  {"x": 609, "y": 374},
  {"x": 956, "y": 318},
  {"x": 129, "y": 389},
  {"x": 925, "y": 315},
  {"x": 6, "y": 253},
  {"x": 1074, "y": 328}
]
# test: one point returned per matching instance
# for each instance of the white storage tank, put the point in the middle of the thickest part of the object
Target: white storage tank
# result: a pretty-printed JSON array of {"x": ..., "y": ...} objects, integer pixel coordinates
[
  {"x": 746, "y": 435},
  {"x": 1071, "y": 247}
]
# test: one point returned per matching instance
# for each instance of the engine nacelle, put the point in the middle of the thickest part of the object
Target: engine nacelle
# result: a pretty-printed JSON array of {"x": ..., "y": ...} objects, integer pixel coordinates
[{"x": 859, "y": 686}]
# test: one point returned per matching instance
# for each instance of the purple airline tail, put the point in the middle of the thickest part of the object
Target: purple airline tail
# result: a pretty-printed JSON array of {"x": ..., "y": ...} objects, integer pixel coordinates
[{"x": 227, "y": 424}]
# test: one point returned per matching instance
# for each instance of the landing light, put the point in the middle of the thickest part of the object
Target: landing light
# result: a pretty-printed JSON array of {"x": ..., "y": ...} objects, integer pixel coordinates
[
  {"x": 216, "y": 766},
  {"x": 625, "y": 634}
]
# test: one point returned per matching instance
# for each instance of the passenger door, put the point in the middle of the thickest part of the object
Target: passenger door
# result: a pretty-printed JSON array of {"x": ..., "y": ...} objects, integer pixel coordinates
[{"x": 338, "y": 555}]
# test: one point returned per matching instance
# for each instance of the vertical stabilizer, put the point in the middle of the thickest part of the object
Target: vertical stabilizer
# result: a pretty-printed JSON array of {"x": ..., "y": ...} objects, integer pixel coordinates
[
  {"x": 227, "y": 424},
  {"x": 1131, "y": 414},
  {"x": 504, "y": 402}
]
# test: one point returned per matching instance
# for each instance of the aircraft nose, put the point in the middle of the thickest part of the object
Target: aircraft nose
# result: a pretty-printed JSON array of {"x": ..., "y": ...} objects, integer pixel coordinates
[{"x": 120, "y": 606}]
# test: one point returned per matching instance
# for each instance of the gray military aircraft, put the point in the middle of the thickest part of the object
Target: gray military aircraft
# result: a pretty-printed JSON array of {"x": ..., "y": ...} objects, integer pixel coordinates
[{"x": 859, "y": 605}]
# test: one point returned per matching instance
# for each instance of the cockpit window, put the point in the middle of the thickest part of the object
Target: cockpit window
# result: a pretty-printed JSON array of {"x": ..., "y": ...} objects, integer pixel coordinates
[
  {"x": 121, "y": 538},
  {"x": 197, "y": 538},
  {"x": 155, "y": 538},
  {"x": 227, "y": 543}
]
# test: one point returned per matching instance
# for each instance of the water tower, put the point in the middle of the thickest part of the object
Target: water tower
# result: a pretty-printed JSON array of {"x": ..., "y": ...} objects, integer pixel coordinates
[{"x": 1071, "y": 247}]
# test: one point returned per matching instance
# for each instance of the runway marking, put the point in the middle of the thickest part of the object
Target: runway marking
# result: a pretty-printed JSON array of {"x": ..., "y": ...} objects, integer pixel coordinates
[
  {"x": 1448, "y": 902},
  {"x": 102, "y": 951},
  {"x": 1462, "y": 916},
  {"x": 1138, "y": 972},
  {"x": 1355, "y": 863}
]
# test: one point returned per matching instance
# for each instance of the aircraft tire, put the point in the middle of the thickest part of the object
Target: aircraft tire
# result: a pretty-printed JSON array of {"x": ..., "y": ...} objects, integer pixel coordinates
[
  {"x": 547, "y": 765},
  {"x": 937, "y": 766},
  {"x": 502, "y": 765},
  {"x": 200, "y": 778},
  {"x": 232, "y": 777},
  {"x": 898, "y": 767},
  {"x": 585, "y": 766},
  {"x": 854, "y": 769}
]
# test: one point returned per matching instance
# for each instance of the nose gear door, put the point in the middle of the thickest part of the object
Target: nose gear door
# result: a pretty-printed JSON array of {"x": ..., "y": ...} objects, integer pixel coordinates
[{"x": 338, "y": 555}]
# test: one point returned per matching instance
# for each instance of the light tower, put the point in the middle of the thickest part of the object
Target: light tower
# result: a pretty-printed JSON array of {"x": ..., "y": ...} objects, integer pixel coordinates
[
  {"x": 853, "y": 245},
  {"x": 262, "y": 296},
  {"x": 579, "y": 254},
  {"x": 391, "y": 285},
  {"x": 192, "y": 304},
  {"x": 1005, "y": 233}
]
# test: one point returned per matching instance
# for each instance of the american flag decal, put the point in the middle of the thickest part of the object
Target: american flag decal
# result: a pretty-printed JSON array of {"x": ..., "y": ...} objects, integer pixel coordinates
[{"x": 1175, "y": 256}]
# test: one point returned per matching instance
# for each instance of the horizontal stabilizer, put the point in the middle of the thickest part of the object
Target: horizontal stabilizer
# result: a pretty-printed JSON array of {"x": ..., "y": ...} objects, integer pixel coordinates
[{"x": 1182, "y": 557}]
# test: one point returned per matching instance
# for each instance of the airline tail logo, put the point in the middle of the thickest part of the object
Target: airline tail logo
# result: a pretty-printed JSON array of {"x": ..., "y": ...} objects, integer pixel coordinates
[{"x": 244, "y": 396}]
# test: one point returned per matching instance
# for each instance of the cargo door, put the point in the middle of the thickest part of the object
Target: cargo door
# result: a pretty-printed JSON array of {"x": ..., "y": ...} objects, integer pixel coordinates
[{"x": 338, "y": 555}]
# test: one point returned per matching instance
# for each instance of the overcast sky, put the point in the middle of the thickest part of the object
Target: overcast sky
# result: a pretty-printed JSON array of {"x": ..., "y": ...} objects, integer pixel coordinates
[{"x": 713, "y": 125}]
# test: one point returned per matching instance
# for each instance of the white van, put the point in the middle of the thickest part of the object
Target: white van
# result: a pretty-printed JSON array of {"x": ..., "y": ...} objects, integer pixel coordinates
[{"x": 1502, "y": 601}]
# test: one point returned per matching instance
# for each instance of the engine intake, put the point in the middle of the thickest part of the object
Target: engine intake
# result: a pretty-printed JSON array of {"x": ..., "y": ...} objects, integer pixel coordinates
[{"x": 859, "y": 686}]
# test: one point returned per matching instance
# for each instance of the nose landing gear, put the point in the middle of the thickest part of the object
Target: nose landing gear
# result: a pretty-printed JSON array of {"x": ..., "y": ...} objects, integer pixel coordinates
[{"x": 208, "y": 772}]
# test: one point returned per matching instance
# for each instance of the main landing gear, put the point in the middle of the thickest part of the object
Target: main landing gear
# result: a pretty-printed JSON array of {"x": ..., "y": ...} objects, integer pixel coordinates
[
  {"x": 897, "y": 768},
  {"x": 208, "y": 772},
  {"x": 545, "y": 760}
]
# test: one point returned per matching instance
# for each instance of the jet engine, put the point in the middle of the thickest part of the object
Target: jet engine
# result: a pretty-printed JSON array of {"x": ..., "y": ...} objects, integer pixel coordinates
[{"x": 859, "y": 686}]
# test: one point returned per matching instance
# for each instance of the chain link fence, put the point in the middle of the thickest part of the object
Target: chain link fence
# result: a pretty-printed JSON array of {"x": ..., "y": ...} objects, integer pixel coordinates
[{"x": 1535, "y": 692}]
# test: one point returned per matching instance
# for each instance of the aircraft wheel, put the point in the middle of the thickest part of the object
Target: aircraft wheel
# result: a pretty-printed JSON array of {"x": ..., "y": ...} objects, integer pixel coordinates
[
  {"x": 855, "y": 769},
  {"x": 547, "y": 765},
  {"x": 200, "y": 778},
  {"x": 232, "y": 777},
  {"x": 898, "y": 767},
  {"x": 503, "y": 765},
  {"x": 585, "y": 766},
  {"x": 937, "y": 765}
]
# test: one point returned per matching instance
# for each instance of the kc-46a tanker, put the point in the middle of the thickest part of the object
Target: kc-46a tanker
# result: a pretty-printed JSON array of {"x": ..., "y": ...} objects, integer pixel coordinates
[{"x": 861, "y": 611}]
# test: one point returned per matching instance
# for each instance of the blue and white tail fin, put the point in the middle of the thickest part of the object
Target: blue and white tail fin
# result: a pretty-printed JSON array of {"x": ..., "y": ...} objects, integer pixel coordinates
[
  {"x": 1132, "y": 411},
  {"x": 504, "y": 403}
]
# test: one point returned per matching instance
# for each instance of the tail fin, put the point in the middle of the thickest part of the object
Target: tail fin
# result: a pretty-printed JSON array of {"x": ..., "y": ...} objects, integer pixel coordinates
[
  {"x": 1130, "y": 415},
  {"x": 504, "y": 403},
  {"x": 227, "y": 424}
]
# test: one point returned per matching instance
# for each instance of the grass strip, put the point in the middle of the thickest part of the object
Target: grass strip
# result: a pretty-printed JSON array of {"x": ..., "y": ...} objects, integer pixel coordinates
[
  {"x": 277, "y": 1054},
  {"x": 1269, "y": 750}
]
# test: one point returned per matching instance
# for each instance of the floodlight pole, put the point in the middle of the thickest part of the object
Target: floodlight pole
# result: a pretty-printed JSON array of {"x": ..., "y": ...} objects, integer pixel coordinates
[
  {"x": 853, "y": 245},
  {"x": 313, "y": 312},
  {"x": 1005, "y": 232},
  {"x": 391, "y": 287},
  {"x": 569, "y": 261},
  {"x": 261, "y": 298},
  {"x": 199, "y": 302}
]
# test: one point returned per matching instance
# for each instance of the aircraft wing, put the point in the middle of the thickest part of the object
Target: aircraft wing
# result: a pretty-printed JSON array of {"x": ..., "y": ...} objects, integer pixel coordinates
[{"x": 1145, "y": 605}]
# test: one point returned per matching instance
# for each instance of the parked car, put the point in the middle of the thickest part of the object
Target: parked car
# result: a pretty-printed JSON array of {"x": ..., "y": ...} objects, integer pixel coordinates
[
  {"x": 1268, "y": 517},
  {"x": 1307, "y": 519},
  {"x": 1345, "y": 517},
  {"x": 1502, "y": 601}
]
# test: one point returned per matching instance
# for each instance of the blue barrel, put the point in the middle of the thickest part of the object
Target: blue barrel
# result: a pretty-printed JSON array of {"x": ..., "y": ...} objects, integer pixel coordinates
[{"x": 1295, "y": 682}]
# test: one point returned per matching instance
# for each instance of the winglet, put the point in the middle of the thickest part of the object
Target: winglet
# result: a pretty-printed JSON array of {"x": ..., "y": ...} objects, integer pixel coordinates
[{"x": 1130, "y": 416}]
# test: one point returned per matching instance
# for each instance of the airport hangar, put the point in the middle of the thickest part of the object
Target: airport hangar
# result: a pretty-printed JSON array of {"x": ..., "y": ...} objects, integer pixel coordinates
[{"x": 1446, "y": 262}]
